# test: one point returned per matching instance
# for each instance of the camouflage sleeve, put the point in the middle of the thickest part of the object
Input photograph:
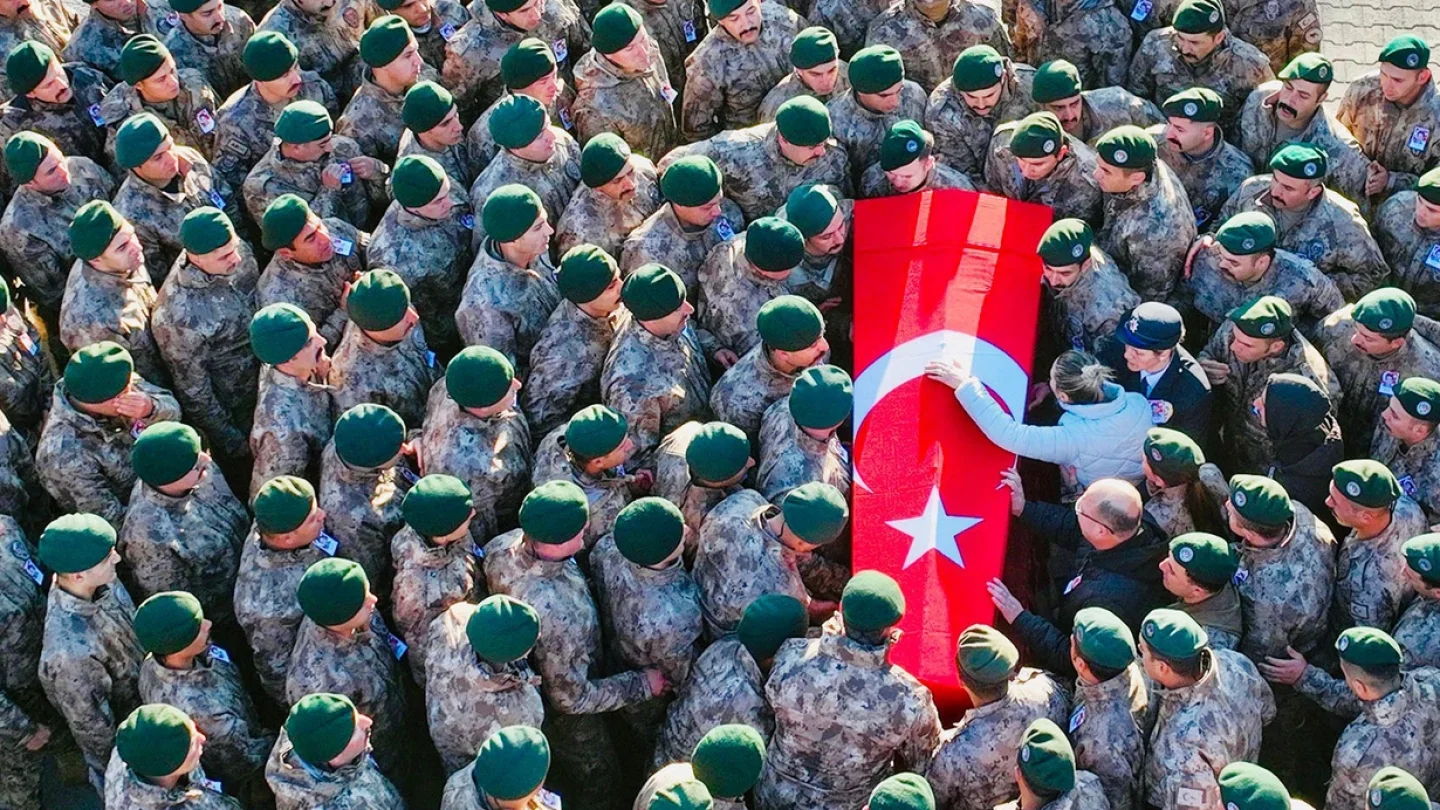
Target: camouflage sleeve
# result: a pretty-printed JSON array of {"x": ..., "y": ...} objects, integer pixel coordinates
[
  {"x": 571, "y": 691},
  {"x": 919, "y": 747},
  {"x": 193, "y": 386},
  {"x": 703, "y": 98},
  {"x": 1190, "y": 784},
  {"x": 644, "y": 415},
  {"x": 15, "y": 724},
  {"x": 1332, "y": 694},
  {"x": 37, "y": 257},
  {"x": 79, "y": 686},
  {"x": 1326, "y": 297},
  {"x": 154, "y": 565},
  {"x": 1229, "y": 209},
  {"x": 1365, "y": 266},
  {"x": 487, "y": 326},
  {"x": 80, "y": 487},
  {"x": 274, "y": 456},
  {"x": 1142, "y": 74},
  {"x": 1348, "y": 113}
]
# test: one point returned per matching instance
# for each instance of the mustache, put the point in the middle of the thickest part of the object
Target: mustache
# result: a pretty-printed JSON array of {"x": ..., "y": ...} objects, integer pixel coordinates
[{"x": 1280, "y": 105}]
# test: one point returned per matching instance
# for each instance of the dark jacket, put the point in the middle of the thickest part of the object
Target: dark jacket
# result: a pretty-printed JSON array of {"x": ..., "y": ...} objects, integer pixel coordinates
[
  {"x": 1305, "y": 439},
  {"x": 1125, "y": 580},
  {"x": 1183, "y": 386}
]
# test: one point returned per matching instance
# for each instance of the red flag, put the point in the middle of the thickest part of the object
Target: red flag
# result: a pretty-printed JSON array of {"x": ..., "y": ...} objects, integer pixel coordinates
[{"x": 949, "y": 274}]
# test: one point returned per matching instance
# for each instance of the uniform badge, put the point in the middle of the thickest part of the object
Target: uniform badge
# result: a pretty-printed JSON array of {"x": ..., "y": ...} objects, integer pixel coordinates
[
  {"x": 1149, "y": 630},
  {"x": 999, "y": 69},
  {"x": 723, "y": 228},
  {"x": 408, "y": 475},
  {"x": 326, "y": 543},
  {"x": 1202, "y": 214},
  {"x": 1423, "y": 408},
  {"x": 1353, "y": 489},
  {"x": 447, "y": 31},
  {"x": 1388, "y": 381},
  {"x": 1413, "y": 60},
  {"x": 689, "y": 28},
  {"x": 1185, "y": 554},
  {"x": 1073, "y": 584},
  {"x": 1240, "y": 576},
  {"x": 95, "y": 117},
  {"x": 1311, "y": 169},
  {"x": 565, "y": 120},
  {"x": 476, "y": 550},
  {"x": 28, "y": 343},
  {"x": 1077, "y": 251},
  {"x": 431, "y": 361},
  {"x": 397, "y": 645},
  {"x": 347, "y": 174},
  {"x": 209, "y": 784},
  {"x": 342, "y": 245},
  {"x": 205, "y": 121},
  {"x": 1161, "y": 411},
  {"x": 216, "y": 200},
  {"x": 1419, "y": 139},
  {"x": 548, "y": 800},
  {"x": 467, "y": 221},
  {"x": 31, "y": 569},
  {"x": 1272, "y": 12},
  {"x": 1432, "y": 259},
  {"x": 137, "y": 428},
  {"x": 1267, "y": 329},
  {"x": 218, "y": 653},
  {"x": 1191, "y": 108},
  {"x": 1407, "y": 484},
  {"x": 1248, "y": 244},
  {"x": 560, "y": 49},
  {"x": 668, "y": 93},
  {"x": 1141, "y": 11}
]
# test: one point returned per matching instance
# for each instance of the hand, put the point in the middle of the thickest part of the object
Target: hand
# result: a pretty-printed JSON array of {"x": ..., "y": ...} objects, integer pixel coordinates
[
  {"x": 726, "y": 358},
  {"x": 1005, "y": 602},
  {"x": 1218, "y": 372},
  {"x": 345, "y": 290},
  {"x": 368, "y": 168},
  {"x": 822, "y": 609},
  {"x": 1011, "y": 478},
  {"x": 38, "y": 739},
  {"x": 1039, "y": 392},
  {"x": 1203, "y": 243},
  {"x": 1285, "y": 670},
  {"x": 642, "y": 481},
  {"x": 333, "y": 177},
  {"x": 1377, "y": 179},
  {"x": 830, "y": 303},
  {"x": 134, "y": 405},
  {"x": 947, "y": 372},
  {"x": 182, "y": 162},
  {"x": 655, "y": 679}
]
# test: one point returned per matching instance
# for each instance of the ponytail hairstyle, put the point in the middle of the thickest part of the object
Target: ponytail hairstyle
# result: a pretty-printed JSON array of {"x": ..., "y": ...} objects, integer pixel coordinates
[{"x": 1081, "y": 377}]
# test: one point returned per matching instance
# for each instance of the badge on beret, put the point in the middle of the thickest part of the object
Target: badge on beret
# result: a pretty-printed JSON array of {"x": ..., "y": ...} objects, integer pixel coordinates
[
  {"x": 1344, "y": 643},
  {"x": 1079, "y": 631},
  {"x": 1375, "y": 797},
  {"x": 1423, "y": 564},
  {"x": 1149, "y": 629},
  {"x": 1231, "y": 806},
  {"x": 1025, "y": 754},
  {"x": 1000, "y": 69},
  {"x": 1323, "y": 72},
  {"x": 912, "y": 147},
  {"x": 1267, "y": 329},
  {"x": 1049, "y": 147},
  {"x": 1353, "y": 489},
  {"x": 1077, "y": 251},
  {"x": 1310, "y": 169},
  {"x": 1121, "y": 156},
  {"x": 1386, "y": 323},
  {"x": 1239, "y": 499},
  {"x": 1185, "y": 554},
  {"x": 1412, "y": 60},
  {"x": 1156, "y": 454},
  {"x": 1423, "y": 408},
  {"x": 1248, "y": 244},
  {"x": 1191, "y": 109},
  {"x": 1214, "y": 16}
]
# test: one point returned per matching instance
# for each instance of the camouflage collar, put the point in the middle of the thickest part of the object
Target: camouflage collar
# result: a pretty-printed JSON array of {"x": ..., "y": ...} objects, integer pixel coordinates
[{"x": 1106, "y": 692}]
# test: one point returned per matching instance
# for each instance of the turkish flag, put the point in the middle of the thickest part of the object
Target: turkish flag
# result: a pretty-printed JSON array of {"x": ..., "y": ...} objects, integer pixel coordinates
[{"x": 939, "y": 274}]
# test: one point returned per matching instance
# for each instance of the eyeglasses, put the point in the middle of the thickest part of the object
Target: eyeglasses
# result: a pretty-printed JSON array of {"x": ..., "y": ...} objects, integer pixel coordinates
[{"x": 1098, "y": 521}]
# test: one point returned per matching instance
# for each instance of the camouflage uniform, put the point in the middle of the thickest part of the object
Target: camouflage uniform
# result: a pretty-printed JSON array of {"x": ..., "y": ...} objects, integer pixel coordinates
[
  {"x": 267, "y": 609},
  {"x": 1148, "y": 231},
  {"x": 187, "y": 543},
  {"x": 460, "y": 162},
  {"x": 447, "y": 17},
  {"x": 1069, "y": 190},
  {"x": 962, "y": 138},
  {"x": 1418, "y": 632},
  {"x": 725, "y": 80},
  {"x": 190, "y": 116},
  {"x": 27, "y": 377},
  {"x": 677, "y": 26},
  {"x": 673, "y": 774},
  {"x": 860, "y": 129},
  {"x": 432, "y": 256},
  {"x": 398, "y": 376},
  {"x": 356, "y": 785},
  {"x": 875, "y": 183},
  {"x": 316, "y": 288},
  {"x": 748, "y": 388},
  {"x": 49, "y": 23},
  {"x": 1233, "y": 69},
  {"x": 362, "y": 508},
  {"x": 1312, "y": 294},
  {"x": 372, "y": 118},
  {"x": 1370, "y": 585},
  {"x": 1365, "y": 381},
  {"x": 18, "y": 480},
  {"x": 472, "y": 56},
  {"x": 790, "y": 457},
  {"x": 201, "y": 326},
  {"x": 1330, "y": 233},
  {"x": 635, "y": 106},
  {"x": 664, "y": 240},
  {"x": 75, "y": 126},
  {"x": 428, "y": 580},
  {"x": 1285, "y": 591},
  {"x": 468, "y": 699},
  {"x": 1209, "y": 179},
  {"x": 973, "y": 767},
  {"x": 930, "y": 48},
  {"x": 656, "y": 383},
  {"x": 1412, "y": 252},
  {"x": 1092, "y": 35},
  {"x": 1384, "y": 734},
  {"x": 593, "y": 218},
  {"x": 126, "y": 791},
  {"x": 725, "y": 686},
  {"x": 35, "y": 235},
  {"x": 739, "y": 559},
  {"x": 566, "y": 364},
  {"x": 98, "y": 40},
  {"x": 292, "y": 425},
  {"x": 275, "y": 174},
  {"x": 1416, "y": 467},
  {"x": 1087, "y": 312},
  {"x": 673, "y": 483},
  {"x": 481, "y": 145},
  {"x": 90, "y": 666},
  {"x": 156, "y": 213},
  {"x": 1282, "y": 29},
  {"x": 329, "y": 44},
  {"x": 491, "y": 455},
  {"x": 825, "y": 755},
  {"x": 848, "y": 20},
  {"x": 1107, "y": 722},
  {"x": 1262, "y": 135},
  {"x": 1106, "y": 108},
  {"x": 102, "y": 306},
  {"x": 84, "y": 461},
  {"x": 461, "y": 793},
  {"x": 791, "y": 87},
  {"x": 506, "y": 307},
  {"x": 1390, "y": 134},
  {"x": 732, "y": 291},
  {"x": 245, "y": 125},
  {"x": 22, "y": 702},
  {"x": 218, "y": 57},
  {"x": 1088, "y": 792},
  {"x": 554, "y": 180},
  {"x": 608, "y": 492},
  {"x": 1167, "y": 506}
]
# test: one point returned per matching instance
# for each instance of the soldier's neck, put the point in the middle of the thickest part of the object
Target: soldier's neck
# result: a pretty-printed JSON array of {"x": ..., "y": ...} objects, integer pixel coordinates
[
  {"x": 933, "y": 10},
  {"x": 512, "y": 254}
]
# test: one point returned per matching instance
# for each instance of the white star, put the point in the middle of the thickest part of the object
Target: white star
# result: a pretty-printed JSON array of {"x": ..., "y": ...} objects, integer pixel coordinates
[{"x": 934, "y": 530}]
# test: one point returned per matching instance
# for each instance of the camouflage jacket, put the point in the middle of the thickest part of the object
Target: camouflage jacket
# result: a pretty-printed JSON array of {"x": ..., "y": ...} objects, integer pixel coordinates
[
  {"x": 356, "y": 785},
  {"x": 491, "y": 455},
  {"x": 481, "y": 145},
  {"x": 651, "y": 617},
  {"x": 1091, "y": 35},
  {"x": 554, "y": 180},
  {"x": 19, "y": 481},
  {"x": 672, "y": 482},
  {"x": 398, "y": 376},
  {"x": 1209, "y": 179},
  {"x": 472, "y": 56},
  {"x": 187, "y": 543},
  {"x": 876, "y": 183},
  {"x": 428, "y": 580},
  {"x": 212, "y": 693},
  {"x": 790, "y": 457},
  {"x": 860, "y": 129},
  {"x": 1106, "y": 108},
  {"x": 1402, "y": 139},
  {"x": 677, "y": 26},
  {"x": 98, "y": 40},
  {"x": 746, "y": 389},
  {"x": 217, "y": 58},
  {"x": 1384, "y": 734},
  {"x": 608, "y": 493},
  {"x": 1412, "y": 252},
  {"x": 962, "y": 137},
  {"x": 1371, "y": 589},
  {"x": 1312, "y": 294},
  {"x": 725, "y": 686},
  {"x": 657, "y": 383},
  {"x": 27, "y": 371},
  {"x": 792, "y": 87},
  {"x": 593, "y": 218},
  {"x": 48, "y": 23},
  {"x": 22, "y": 628},
  {"x": 126, "y": 791},
  {"x": 266, "y": 607},
  {"x": 1418, "y": 633},
  {"x": 725, "y": 80},
  {"x": 664, "y": 240},
  {"x": 739, "y": 559},
  {"x": 636, "y": 106},
  {"x": 102, "y": 306},
  {"x": 157, "y": 213},
  {"x": 362, "y": 508},
  {"x": 245, "y": 125},
  {"x": 1233, "y": 69},
  {"x": 84, "y": 461},
  {"x": 1285, "y": 590},
  {"x": 732, "y": 291},
  {"x": 328, "y": 44},
  {"x": 274, "y": 174},
  {"x": 506, "y": 307},
  {"x": 1107, "y": 722},
  {"x": 90, "y": 666},
  {"x": 190, "y": 116},
  {"x": 460, "y": 162},
  {"x": 1070, "y": 189},
  {"x": 35, "y": 230},
  {"x": 1148, "y": 231},
  {"x": 847, "y": 20},
  {"x": 372, "y": 118},
  {"x": 1167, "y": 506},
  {"x": 1262, "y": 135},
  {"x": 468, "y": 699},
  {"x": 432, "y": 256},
  {"x": 673, "y": 774},
  {"x": 292, "y": 425},
  {"x": 930, "y": 48},
  {"x": 1087, "y": 794},
  {"x": 75, "y": 126},
  {"x": 447, "y": 17},
  {"x": 1416, "y": 467},
  {"x": 1367, "y": 382},
  {"x": 1282, "y": 29},
  {"x": 566, "y": 364},
  {"x": 567, "y": 654},
  {"x": 317, "y": 288},
  {"x": 1086, "y": 313},
  {"x": 825, "y": 754},
  {"x": 201, "y": 325}
]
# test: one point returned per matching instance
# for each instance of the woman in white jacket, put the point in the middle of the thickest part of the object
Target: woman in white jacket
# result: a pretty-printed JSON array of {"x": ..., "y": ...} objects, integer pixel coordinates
[{"x": 1101, "y": 434}]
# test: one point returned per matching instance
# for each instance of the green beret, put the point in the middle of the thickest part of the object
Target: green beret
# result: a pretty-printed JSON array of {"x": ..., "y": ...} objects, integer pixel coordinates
[
  {"x": 1367, "y": 482},
  {"x": 1309, "y": 67},
  {"x": 803, "y": 121},
  {"x": 1394, "y": 789},
  {"x": 140, "y": 58},
  {"x": 789, "y": 323},
  {"x": 774, "y": 245},
  {"x": 1038, "y": 135},
  {"x": 554, "y": 513},
  {"x": 5, "y": 299},
  {"x": 813, "y": 47},
  {"x": 154, "y": 740},
  {"x": 504, "y": 6},
  {"x": 186, "y": 6},
  {"x": 526, "y": 62},
  {"x": 426, "y": 105},
  {"x": 384, "y": 41},
  {"x": 1388, "y": 310},
  {"x": 205, "y": 230},
  {"x": 1046, "y": 759},
  {"x": 320, "y": 726},
  {"x": 168, "y": 622},
  {"x": 718, "y": 452},
  {"x": 1199, "y": 17},
  {"x": 811, "y": 208},
  {"x": 1422, "y": 554},
  {"x": 278, "y": 333},
  {"x": 26, "y": 65},
  {"x": 821, "y": 397},
  {"x": 332, "y": 591},
  {"x": 1247, "y": 233},
  {"x": 876, "y": 69},
  {"x": 284, "y": 219},
  {"x": 1066, "y": 242},
  {"x": 1301, "y": 160},
  {"x": 437, "y": 505},
  {"x": 1199, "y": 104},
  {"x": 479, "y": 377},
  {"x": 502, "y": 629},
  {"x": 978, "y": 67},
  {"x": 98, "y": 373},
  {"x": 1103, "y": 639},
  {"x": 816, "y": 513},
  {"x": 1268, "y": 317},
  {"x": 1368, "y": 648},
  {"x": 303, "y": 122},
  {"x": 24, "y": 153},
  {"x": 1244, "y": 786},
  {"x": 378, "y": 300},
  {"x": 904, "y": 143},
  {"x": 75, "y": 543},
  {"x": 728, "y": 759},
  {"x": 652, "y": 292},
  {"x": 138, "y": 138},
  {"x": 648, "y": 530},
  {"x": 615, "y": 26},
  {"x": 512, "y": 763},
  {"x": 416, "y": 180},
  {"x": 768, "y": 621},
  {"x": 871, "y": 600},
  {"x": 511, "y": 210},
  {"x": 1407, "y": 52},
  {"x": 282, "y": 504},
  {"x": 689, "y": 794},
  {"x": 1127, "y": 147},
  {"x": 164, "y": 453},
  {"x": 595, "y": 431},
  {"x": 1173, "y": 634},
  {"x": 1261, "y": 500},
  {"x": 606, "y": 155},
  {"x": 1173, "y": 456},
  {"x": 1208, "y": 559},
  {"x": 903, "y": 791},
  {"x": 691, "y": 181},
  {"x": 985, "y": 655},
  {"x": 93, "y": 228},
  {"x": 516, "y": 121},
  {"x": 1420, "y": 397},
  {"x": 720, "y": 9},
  {"x": 368, "y": 435},
  {"x": 585, "y": 272},
  {"x": 1055, "y": 81},
  {"x": 269, "y": 55},
  {"x": 1429, "y": 186}
]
